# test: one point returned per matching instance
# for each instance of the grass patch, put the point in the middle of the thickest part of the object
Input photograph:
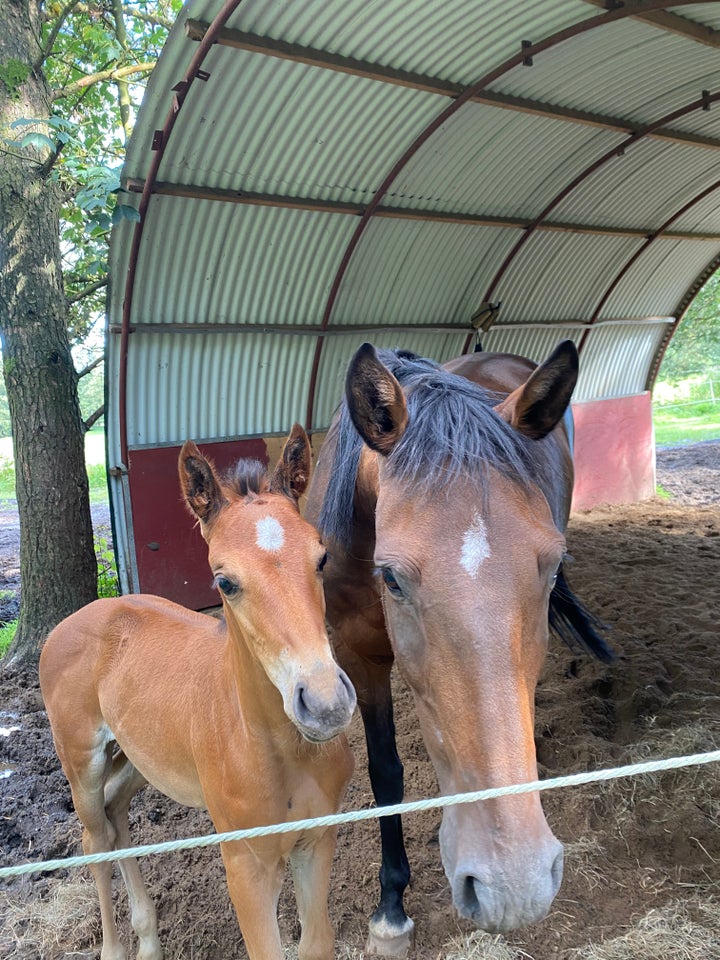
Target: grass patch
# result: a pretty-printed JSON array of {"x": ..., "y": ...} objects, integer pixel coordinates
[
  {"x": 7, "y": 635},
  {"x": 94, "y": 464},
  {"x": 686, "y": 424}
]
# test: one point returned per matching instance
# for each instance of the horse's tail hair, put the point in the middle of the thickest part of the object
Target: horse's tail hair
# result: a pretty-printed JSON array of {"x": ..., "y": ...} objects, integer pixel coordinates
[{"x": 574, "y": 624}]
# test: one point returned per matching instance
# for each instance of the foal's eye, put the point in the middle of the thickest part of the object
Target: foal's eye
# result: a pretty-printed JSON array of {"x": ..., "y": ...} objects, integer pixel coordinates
[
  {"x": 391, "y": 582},
  {"x": 323, "y": 561},
  {"x": 226, "y": 586}
]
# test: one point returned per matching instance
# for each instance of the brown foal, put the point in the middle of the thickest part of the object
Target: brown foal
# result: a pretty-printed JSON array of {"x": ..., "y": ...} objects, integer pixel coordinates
[{"x": 242, "y": 717}]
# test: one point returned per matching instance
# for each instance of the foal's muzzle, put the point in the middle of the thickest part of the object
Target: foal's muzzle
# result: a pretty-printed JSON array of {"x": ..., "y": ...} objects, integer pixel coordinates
[{"x": 321, "y": 714}]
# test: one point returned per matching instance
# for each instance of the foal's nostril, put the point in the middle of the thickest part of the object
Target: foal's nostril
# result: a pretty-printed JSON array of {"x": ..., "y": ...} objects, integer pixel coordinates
[
  {"x": 349, "y": 690},
  {"x": 299, "y": 702}
]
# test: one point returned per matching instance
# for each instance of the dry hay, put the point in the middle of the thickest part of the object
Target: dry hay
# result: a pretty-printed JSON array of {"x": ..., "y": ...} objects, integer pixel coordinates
[{"x": 66, "y": 918}]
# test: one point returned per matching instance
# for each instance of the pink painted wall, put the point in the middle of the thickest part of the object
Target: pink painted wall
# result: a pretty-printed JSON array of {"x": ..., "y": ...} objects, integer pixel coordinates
[{"x": 614, "y": 451}]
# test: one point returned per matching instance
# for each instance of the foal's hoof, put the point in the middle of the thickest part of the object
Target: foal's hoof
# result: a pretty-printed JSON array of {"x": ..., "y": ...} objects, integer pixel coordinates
[{"x": 388, "y": 941}]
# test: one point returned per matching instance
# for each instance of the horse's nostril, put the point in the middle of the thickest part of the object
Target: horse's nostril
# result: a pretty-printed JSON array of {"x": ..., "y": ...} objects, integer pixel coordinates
[
  {"x": 470, "y": 899},
  {"x": 556, "y": 871}
]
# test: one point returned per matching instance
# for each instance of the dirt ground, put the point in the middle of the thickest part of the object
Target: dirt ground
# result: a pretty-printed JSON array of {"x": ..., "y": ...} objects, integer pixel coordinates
[{"x": 633, "y": 848}]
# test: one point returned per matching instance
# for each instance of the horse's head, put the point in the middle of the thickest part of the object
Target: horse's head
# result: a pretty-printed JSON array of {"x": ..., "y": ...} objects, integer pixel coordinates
[
  {"x": 267, "y": 563},
  {"x": 468, "y": 551}
]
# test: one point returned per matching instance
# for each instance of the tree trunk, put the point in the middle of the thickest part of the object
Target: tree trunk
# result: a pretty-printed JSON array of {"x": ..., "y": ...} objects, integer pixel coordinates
[{"x": 57, "y": 560}]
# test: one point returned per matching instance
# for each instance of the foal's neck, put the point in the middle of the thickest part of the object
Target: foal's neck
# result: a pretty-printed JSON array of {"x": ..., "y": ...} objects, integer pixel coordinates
[{"x": 259, "y": 699}]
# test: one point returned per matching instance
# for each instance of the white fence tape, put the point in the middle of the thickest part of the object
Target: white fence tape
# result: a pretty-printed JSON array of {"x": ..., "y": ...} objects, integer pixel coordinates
[{"x": 371, "y": 813}]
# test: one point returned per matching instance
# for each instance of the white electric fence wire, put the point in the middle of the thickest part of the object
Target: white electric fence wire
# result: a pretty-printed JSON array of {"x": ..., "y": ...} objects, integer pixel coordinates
[{"x": 354, "y": 816}]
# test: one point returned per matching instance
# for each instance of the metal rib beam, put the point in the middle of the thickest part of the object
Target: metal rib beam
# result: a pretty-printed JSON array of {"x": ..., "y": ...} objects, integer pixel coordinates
[
  {"x": 243, "y": 198},
  {"x": 616, "y": 151},
  {"x": 629, "y": 8},
  {"x": 267, "y": 46},
  {"x": 640, "y": 251}
]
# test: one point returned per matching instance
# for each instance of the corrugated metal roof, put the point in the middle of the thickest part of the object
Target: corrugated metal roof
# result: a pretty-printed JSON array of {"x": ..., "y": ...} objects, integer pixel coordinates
[{"x": 378, "y": 170}]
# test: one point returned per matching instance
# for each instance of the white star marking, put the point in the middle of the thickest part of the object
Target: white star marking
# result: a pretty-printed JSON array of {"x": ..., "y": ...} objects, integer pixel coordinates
[
  {"x": 270, "y": 534},
  {"x": 475, "y": 548}
]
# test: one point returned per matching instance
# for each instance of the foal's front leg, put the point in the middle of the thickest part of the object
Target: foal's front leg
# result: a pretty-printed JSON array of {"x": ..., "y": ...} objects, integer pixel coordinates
[
  {"x": 254, "y": 883},
  {"x": 310, "y": 863}
]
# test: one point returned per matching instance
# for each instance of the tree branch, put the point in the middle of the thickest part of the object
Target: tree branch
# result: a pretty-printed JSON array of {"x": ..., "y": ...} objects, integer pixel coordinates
[
  {"x": 115, "y": 73},
  {"x": 87, "y": 291},
  {"x": 123, "y": 88},
  {"x": 90, "y": 367},
  {"x": 154, "y": 21},
  {"x": 46, "y": 50},
  {"x": 93, "y": 418}
]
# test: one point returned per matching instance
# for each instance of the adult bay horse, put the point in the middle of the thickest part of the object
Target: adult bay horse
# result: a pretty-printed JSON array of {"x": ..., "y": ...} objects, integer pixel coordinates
[
  {"x": 241, "y": 716},
  {"x": 443, "y": 494}
]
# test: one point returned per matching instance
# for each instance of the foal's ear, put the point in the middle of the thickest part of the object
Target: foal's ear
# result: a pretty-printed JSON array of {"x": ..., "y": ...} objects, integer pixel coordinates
[
  {"x": 375, "y": 401},
  {"x": 199, "y": 484},
  {"x": 538, "y": 405},
  {"x": 292, "y": 473}
]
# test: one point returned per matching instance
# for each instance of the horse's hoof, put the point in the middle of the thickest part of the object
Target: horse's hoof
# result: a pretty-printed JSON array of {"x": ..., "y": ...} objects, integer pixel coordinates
[{"x": 386, "y": 941}]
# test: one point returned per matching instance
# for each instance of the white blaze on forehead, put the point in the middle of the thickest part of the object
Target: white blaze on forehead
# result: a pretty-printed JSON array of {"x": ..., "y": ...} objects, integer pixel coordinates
[
  {"x": 475, "y": 548},
  {"x": 270, "y": 534}
]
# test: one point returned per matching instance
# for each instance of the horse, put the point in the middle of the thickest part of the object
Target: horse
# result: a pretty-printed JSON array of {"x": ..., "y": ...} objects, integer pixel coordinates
[
  {"x": 241, "y": 716},
  {"x": 443, "y": 494}
]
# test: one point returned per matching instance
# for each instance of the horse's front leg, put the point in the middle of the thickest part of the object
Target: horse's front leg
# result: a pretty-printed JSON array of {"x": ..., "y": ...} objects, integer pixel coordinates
[
  {"x": 391, "y": 931},
  {"x": 254, "y": 883}
]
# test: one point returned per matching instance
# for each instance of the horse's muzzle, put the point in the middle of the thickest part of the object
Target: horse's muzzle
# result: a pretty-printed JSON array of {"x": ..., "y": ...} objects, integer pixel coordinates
[
  {"x": 498, "y": 903},
  {"x": 320, "y": 714}
]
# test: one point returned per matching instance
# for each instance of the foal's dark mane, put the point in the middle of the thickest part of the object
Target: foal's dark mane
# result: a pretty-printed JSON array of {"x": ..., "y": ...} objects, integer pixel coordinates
[
  {"x": 453, "y": 432},
  {"x": 245, "y": 478}
]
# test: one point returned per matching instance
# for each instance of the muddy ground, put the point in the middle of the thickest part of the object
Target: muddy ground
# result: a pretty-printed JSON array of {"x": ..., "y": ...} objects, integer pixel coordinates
[{"x": 651, "y": 571}]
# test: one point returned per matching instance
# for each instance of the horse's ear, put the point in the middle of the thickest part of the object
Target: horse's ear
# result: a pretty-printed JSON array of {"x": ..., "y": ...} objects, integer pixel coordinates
[
  {"x": 538, "y": 405},
  {"x": 375, "y": 401},
  {"x": 199, "y": 484},
  {"x": 292, "y": 473}
]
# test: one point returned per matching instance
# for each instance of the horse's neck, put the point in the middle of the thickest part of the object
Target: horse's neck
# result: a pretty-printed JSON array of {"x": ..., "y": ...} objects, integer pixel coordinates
[{"x": 259, "y": 700}]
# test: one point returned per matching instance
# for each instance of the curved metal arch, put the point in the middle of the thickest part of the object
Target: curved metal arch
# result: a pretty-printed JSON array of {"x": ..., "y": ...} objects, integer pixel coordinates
[
  {"x": 617, "y": 151},
  {"x": 632, "y": 260},
  {"x": 160, "y": 142},
  {"x": 680, "y": 310},
  {"x": 628, "y": 9}
]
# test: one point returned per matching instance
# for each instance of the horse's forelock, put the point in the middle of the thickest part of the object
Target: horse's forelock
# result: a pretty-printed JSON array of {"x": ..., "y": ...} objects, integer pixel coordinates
[
  {"x": 245, "y": 478},
  {"x": 453, "y": 431}
]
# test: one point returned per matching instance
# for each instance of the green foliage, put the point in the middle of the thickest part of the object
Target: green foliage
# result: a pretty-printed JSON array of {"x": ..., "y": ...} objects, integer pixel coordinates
[
  {"x": 107, "y": 582},
  {"x": 696, "y": 344},
  {"x": 95, "y": 63}
]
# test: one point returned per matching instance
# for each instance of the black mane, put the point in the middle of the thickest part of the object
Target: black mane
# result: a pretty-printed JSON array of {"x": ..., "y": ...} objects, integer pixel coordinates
[{"x": 453, "y": 431}]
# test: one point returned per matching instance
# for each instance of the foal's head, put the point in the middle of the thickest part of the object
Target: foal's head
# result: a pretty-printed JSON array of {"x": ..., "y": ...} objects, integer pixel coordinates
[{"x": 267, "y": 563}]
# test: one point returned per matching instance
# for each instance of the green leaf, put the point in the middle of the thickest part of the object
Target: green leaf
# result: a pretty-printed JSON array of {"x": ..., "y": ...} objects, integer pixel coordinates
[
  {"x": 37, "y": 140},
  {"x": 123, "y": 212}
]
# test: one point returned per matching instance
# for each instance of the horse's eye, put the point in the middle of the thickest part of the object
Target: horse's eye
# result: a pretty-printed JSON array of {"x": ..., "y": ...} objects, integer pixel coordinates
[
  {"x": 226, "y": 586},
  {"x": 323, "y": 561},
  {"x": 391, "y": 582}
]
